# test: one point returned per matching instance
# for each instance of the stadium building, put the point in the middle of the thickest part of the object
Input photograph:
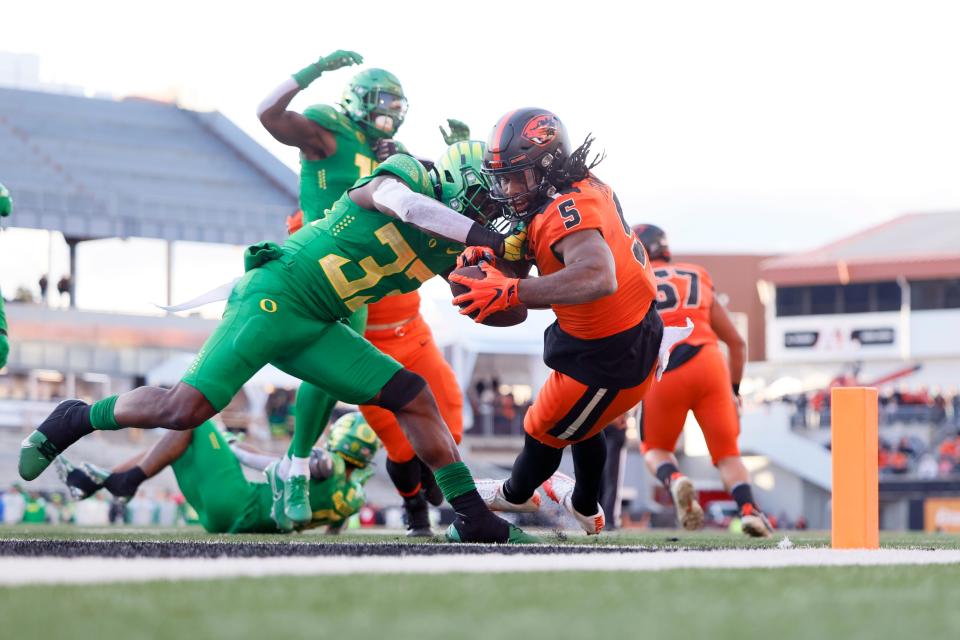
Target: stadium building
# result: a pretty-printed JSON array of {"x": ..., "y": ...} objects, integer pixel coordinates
[{"x": 889, "y": 293}]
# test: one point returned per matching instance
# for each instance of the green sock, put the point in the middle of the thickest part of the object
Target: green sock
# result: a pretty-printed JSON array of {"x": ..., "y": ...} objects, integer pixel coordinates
[
  {"x": 101, "y": 414},
  {"x": 454, "y": 480}
]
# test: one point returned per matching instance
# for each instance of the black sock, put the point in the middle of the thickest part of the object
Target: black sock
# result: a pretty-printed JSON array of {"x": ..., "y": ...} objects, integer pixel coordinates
[
  {"x": 470, "y": 505},
  {"x": 589, "y": 456},
  {"x": 475, "y": 522},
  {"x": 69, "y": 422},
  {"x": 536, "y": 463},
  {"x": 743, "y": 494},
  {"x": 125, "y": 483},
  {"x": 430, "y": 487},
  {"x": 665, "y": 473},
  {"x": 405, "y": 476}
]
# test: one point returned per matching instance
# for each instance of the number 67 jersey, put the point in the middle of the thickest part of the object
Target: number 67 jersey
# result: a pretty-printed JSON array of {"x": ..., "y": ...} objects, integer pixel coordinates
[{"x": 684, "y": 291}]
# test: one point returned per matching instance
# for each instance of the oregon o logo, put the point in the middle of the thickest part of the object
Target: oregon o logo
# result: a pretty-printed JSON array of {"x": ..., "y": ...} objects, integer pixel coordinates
[{"x": 268, "y": 305}]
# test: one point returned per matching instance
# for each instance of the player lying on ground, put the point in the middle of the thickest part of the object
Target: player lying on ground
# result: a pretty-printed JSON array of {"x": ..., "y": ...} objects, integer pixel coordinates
[
  {"x": 388, "y": 234},
  {"x": 207, "y": 467},
  {"x": 697, "y": 379},
  {"x": 607, "y": 341},
  {"x": 337, "y": 147}
]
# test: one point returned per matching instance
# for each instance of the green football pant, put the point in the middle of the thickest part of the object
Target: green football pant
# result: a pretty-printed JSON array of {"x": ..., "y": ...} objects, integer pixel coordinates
[
  {"x": 314, "y": 405},
  {"x": 211, "y": 480},
  {"x": 268, "y": 321}
]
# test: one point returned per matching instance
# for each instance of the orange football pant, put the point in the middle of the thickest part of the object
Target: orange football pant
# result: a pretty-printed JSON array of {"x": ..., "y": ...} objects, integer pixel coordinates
[
  {"x": 412, "y": 346},
  {"x": 567, "y": 411},
  {"x": 701, "y": 385}
]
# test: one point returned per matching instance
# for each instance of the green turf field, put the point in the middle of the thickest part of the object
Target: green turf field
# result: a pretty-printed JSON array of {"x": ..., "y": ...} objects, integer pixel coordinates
[
  {"x": 901, "y": 602},
  {"x": 643, "y": 537},
  {"x": 782, "y": 604}
]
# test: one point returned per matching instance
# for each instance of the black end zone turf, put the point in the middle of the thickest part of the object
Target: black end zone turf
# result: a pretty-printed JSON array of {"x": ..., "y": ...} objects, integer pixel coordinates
[{"x": 146, "y": 549}]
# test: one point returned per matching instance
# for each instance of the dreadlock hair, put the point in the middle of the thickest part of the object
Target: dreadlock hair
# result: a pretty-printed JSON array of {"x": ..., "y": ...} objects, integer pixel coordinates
[{"x": 575, "y": 167}]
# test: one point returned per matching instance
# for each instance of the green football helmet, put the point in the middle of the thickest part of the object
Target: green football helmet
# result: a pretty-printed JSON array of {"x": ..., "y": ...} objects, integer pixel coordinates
[
  {"x": 6, "y": 202},
  {"x": 459, "y": 183},
  {"x": 352, "y": 439},
  {"x": 374, "y": 100}
]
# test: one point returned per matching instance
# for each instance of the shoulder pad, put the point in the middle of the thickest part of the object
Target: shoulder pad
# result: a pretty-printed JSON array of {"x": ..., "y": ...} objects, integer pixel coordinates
[
  {"x": 408, "y": 169},
  {"x": 329, "y": 118}
]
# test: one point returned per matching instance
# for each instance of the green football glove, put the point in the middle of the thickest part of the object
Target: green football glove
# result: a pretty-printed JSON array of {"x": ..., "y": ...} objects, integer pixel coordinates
[
  {"x": 4, "y": 350},
  {"x": 337, "y": 59},
  {"x": 459, "y": 132}
]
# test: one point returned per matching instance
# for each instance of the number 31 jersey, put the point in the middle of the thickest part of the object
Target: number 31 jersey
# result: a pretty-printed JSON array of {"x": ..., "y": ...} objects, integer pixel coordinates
[
  {"x": 354, "y": 256},
  {"x": 684, "y": 291}
]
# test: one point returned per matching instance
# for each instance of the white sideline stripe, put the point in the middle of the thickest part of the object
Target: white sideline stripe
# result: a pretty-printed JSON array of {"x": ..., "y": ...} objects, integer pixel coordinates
[
  {"x": 572, "y": 429},
  {"x": 22, "y": 571}
]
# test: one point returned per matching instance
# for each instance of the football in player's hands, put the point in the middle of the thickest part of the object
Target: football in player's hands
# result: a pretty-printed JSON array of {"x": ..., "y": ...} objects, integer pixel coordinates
[{"x": 508, "y": 317}]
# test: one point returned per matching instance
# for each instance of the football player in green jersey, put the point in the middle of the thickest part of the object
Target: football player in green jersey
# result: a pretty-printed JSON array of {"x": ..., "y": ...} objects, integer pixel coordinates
[
  {"x": 337, "y": 147},
  {"x": 388, "y": 234},
  {"x": 207, "y": 463},
  {"x": 6, "y": 208}
]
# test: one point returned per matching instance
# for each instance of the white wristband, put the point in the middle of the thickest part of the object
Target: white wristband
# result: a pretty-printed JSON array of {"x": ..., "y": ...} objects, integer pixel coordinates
[{"x": 274, "y": 96}]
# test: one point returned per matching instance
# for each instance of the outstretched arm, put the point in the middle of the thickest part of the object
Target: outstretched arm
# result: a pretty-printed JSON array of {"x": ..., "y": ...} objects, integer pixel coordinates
[
  {"x": 290, "y": 127},
  {"x": 392, "y": 197},
  {"x": 251, "y": 457}
]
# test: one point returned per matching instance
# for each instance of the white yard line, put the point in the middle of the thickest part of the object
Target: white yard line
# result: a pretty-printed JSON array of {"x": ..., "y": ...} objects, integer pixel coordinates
[{"x": 21, "y": 571}]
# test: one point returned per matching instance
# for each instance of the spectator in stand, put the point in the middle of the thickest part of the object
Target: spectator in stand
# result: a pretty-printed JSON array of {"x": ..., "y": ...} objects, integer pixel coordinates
[
  {"x": 938, "y": 413},
  {"x": 927, "y": 467},
  {"x": 63, "y": 285},
  {"x": 883, "y": 456},
  {"x": 44, "y": 283},
  {"x": 505, "y": 413},
  {"x": 35, "y": 506}
]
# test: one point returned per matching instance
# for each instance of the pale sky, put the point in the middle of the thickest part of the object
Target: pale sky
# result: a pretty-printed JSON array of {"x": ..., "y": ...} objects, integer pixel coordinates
[{"x": 737, "y": 126}]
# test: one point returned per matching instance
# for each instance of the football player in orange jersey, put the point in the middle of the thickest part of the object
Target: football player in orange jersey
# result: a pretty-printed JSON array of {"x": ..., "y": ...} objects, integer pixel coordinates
[
  {"x": 594, "y": 274},
  {"x": 395, "y": 327},
  {"x": 697, "y": 379}
]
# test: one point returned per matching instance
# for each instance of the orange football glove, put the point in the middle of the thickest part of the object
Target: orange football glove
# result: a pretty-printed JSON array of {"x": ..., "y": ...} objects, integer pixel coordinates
[
  {"x": 494, "y": 293},
  {"x": 472, "y": 256},
  {"x": 295, "y": 222}
]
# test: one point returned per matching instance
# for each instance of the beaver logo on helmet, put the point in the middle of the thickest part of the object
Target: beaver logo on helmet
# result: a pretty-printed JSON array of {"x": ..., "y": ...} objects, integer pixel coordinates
[{"x": 542, "y": 129}]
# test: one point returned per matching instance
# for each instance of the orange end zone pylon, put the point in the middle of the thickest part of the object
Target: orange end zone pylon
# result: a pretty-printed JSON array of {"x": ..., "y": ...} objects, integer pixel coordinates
[{"x": 853, "y": 434}]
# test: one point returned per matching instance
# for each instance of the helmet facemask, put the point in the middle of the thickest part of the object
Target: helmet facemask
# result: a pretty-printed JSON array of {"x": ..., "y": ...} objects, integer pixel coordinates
[
  {"x": 385, "y": 110},
  {"x": 460, "y": 185},
  {"x": 374, "y": 100},
  {"x": 521, "y": 189}
]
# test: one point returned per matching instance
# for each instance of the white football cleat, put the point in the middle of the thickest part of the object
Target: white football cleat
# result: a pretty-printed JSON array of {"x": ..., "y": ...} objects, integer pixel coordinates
[
  {"x": 559, "y": 488},
  {"x": 754, "y": 523},
  {"x": 689, "y": 511},
  {"x": 491, "y": 491}
]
